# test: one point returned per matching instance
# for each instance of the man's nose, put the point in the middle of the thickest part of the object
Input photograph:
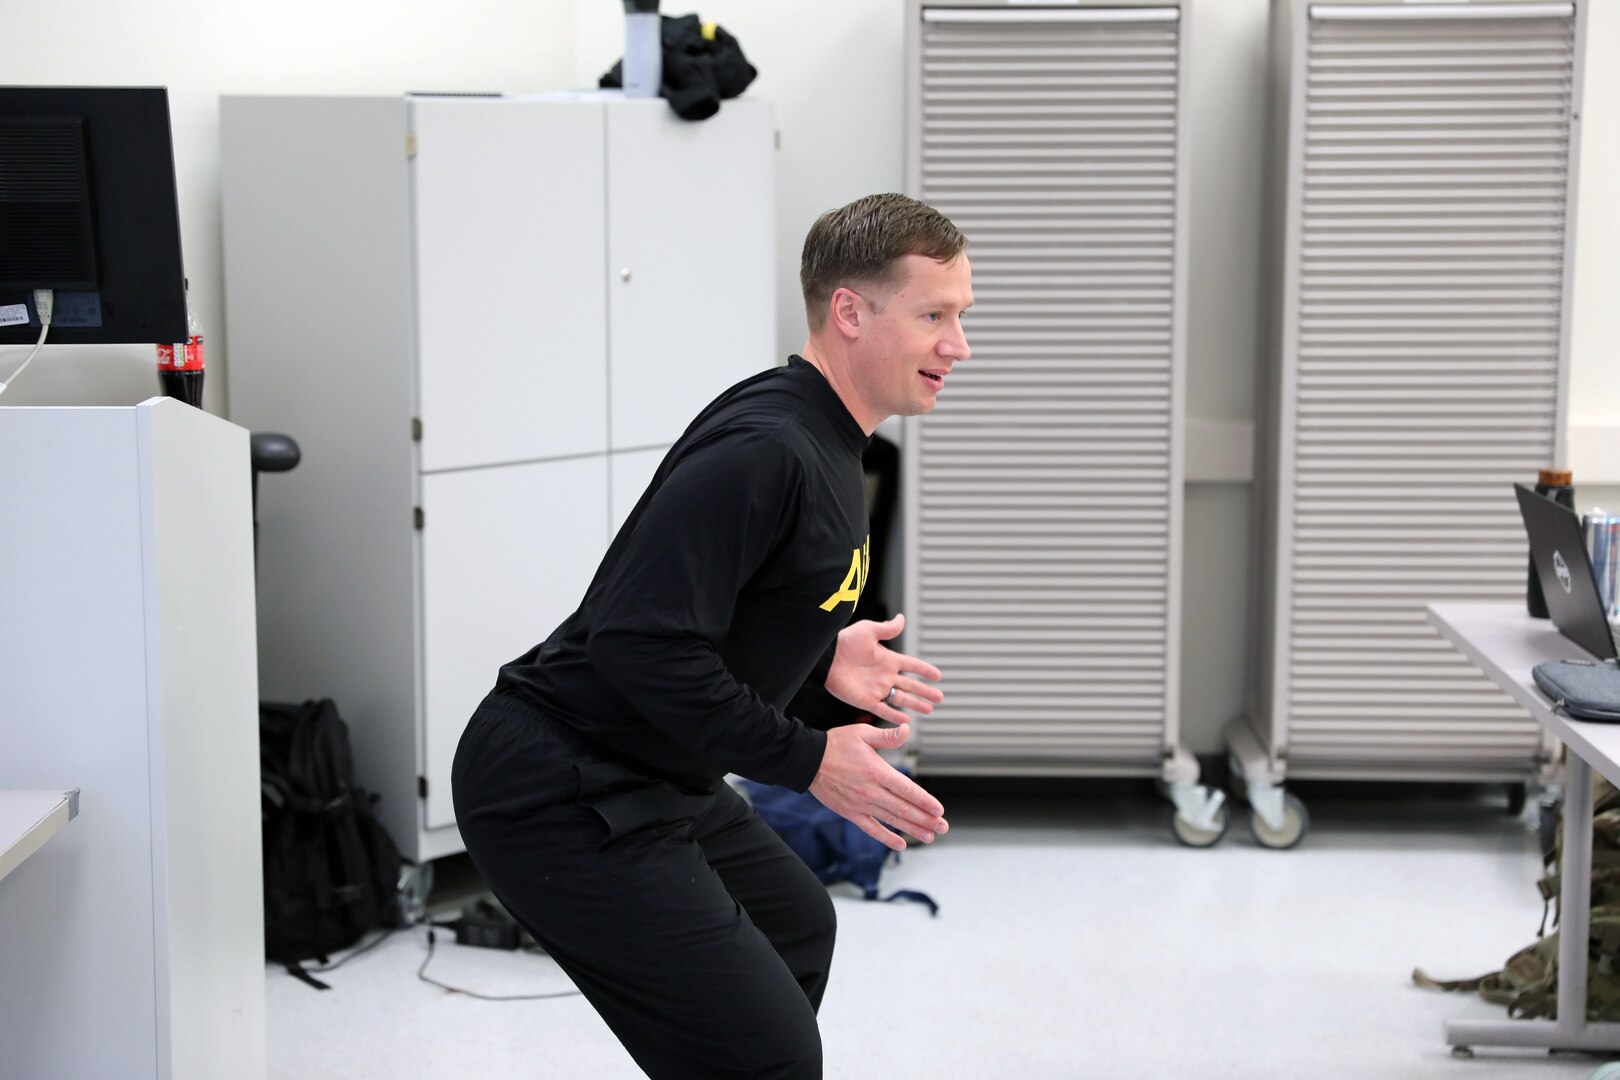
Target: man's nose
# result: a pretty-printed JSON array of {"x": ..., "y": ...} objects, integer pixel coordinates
[{"x": 957, "y": 344}]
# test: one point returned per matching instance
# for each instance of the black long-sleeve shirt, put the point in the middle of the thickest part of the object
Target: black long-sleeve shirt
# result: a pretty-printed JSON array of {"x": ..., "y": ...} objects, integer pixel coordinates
[{"x": 722, "y": 593}]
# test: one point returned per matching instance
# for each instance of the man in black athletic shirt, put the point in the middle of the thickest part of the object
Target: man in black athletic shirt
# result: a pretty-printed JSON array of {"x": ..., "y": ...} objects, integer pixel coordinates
[{"x": 589, "y": 784}]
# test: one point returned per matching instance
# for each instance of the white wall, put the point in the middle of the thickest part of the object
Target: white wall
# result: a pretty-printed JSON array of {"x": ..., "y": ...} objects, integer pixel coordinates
[
  {"x": 833, "y": 69},
  {"x": 201, "y": 49},
  {"x": 1226, "y": 69},
  {"x": 1594, "y": 385}
]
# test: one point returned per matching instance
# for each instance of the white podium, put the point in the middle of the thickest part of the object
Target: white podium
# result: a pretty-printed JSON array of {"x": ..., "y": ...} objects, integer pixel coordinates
[{"x": 131, "y": 946}]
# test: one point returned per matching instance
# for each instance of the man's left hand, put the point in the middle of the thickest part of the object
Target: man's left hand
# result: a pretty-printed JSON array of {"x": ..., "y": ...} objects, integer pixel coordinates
[{"x": 864, "y": 671}]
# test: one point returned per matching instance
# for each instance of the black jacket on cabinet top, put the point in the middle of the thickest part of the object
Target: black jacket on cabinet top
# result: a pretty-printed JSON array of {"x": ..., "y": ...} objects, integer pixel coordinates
[{"x": 701, "y": 65}]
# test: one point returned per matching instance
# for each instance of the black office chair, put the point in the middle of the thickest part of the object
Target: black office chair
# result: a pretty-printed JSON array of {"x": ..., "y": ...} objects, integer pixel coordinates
[{"x": 269, "y": 452}]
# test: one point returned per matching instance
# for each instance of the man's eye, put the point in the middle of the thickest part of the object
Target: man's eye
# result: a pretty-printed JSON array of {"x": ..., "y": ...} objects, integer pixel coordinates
[{"x": 934, "y": 316}]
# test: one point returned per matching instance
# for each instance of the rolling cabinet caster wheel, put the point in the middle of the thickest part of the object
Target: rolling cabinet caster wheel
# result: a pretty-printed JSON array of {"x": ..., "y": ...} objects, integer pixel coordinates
[
  {"x": 1192, "y": 836},
  {"x": 1295, "y": 824}
]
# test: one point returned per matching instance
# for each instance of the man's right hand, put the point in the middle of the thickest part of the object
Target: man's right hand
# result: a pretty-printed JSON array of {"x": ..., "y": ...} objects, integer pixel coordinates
[{"x": 856, "y": 783}]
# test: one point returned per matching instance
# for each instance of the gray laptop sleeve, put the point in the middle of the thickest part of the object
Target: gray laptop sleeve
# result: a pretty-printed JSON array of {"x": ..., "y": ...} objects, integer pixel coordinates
[{"x": 1581, "y": 689}]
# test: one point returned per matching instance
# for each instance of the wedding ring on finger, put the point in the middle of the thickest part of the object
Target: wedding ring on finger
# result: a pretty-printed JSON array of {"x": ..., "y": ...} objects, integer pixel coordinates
[{"x": 889, "y": 698}]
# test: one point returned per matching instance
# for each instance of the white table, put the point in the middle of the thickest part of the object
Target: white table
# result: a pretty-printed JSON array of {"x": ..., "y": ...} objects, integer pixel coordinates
[
  {"x": 28, "y": 819},
  {"x": 1504, "y": 642}
]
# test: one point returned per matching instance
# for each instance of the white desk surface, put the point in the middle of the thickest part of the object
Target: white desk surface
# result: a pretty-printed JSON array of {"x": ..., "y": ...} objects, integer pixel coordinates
[
  {"x": 1505, "y": 642},
  {"x": 28, "y": 819}
]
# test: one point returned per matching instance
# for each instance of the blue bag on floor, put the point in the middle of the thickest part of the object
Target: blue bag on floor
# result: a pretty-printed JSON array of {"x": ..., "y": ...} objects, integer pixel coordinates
[{"x": 833, "y": 848}]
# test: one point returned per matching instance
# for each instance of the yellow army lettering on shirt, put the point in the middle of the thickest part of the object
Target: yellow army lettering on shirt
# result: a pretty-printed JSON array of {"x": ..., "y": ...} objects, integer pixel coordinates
[{"x": 860, "y": 564}]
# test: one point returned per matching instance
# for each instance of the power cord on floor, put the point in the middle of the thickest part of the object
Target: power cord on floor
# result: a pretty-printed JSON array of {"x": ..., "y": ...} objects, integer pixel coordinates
[
  {"x": 333, "y": 965},
  {"x": 475, "y": 924},
  {"x": 421, "y": 973}
]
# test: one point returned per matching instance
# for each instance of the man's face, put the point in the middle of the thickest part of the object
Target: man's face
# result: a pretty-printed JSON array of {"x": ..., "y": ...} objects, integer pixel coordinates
[{"x": 914, "y": 337}]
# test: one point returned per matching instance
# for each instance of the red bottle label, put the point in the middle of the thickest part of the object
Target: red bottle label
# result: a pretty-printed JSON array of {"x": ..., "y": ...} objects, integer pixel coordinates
[{"x": 191, "y": 356}]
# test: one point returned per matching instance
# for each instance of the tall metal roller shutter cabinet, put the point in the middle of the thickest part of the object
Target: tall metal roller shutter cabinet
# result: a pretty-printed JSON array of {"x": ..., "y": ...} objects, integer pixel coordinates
[
  {"x": 1425, "y": 180},
  {"x": 1043, "y": 496}
]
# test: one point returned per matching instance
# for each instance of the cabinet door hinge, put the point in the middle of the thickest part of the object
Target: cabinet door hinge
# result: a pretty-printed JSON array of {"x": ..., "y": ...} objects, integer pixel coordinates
[
  {"x": 419, "y": 517},
  {"x": 421, "y": 786},
  {"x": 410, "y": 144},
  {"x": 416, "y": 429}
]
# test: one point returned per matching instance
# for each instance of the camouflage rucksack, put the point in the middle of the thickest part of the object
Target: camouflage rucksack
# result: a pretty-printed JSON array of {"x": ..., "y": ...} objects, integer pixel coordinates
[{"x": 1528, "y": 984}]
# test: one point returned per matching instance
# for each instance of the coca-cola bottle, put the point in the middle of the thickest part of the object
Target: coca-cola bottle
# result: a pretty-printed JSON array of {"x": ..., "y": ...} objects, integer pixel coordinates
[{"x": 180, "y": 366}]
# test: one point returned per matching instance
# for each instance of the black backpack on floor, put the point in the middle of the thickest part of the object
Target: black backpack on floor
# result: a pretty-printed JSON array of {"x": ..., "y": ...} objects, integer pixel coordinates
[{"x": 331, "y": 872}]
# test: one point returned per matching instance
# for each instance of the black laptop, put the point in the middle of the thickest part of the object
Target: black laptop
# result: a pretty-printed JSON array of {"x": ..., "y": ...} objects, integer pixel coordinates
[{"x": 1559, "y": 552}]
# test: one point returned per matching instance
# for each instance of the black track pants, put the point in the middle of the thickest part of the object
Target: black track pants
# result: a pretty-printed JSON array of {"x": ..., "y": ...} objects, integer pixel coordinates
[{"x": 699, "y": 937}]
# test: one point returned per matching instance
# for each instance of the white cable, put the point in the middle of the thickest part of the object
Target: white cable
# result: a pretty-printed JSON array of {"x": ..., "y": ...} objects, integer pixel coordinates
[{"x": 44, "y": 302}]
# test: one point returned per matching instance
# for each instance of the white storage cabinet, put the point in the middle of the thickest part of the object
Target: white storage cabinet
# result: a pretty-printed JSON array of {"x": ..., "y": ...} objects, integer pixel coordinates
[{"x": 483, "y": 319}]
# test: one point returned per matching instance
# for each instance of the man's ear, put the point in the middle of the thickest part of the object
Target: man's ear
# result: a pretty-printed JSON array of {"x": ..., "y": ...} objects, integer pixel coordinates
[{"x": 846, "y": 313}]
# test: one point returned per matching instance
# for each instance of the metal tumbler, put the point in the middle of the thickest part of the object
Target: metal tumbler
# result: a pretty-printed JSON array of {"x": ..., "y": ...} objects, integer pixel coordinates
[{"x": 1602, "y": 533}]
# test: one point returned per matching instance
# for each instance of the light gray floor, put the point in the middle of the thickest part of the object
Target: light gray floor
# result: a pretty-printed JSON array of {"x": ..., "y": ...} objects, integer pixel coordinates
[{"x": 1075, "y": 939}]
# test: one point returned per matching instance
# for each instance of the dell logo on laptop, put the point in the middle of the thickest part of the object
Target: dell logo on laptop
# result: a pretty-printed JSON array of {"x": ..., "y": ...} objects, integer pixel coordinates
[{"x": 1561, "y": 568}]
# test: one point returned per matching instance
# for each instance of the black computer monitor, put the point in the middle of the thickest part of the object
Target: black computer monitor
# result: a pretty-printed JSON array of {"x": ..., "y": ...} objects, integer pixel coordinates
[{"x": 88, "y": 208}]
